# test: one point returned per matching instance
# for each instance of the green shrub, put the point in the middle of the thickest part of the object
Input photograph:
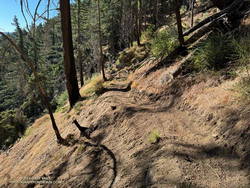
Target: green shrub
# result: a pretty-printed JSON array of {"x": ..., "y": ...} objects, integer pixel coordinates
[
  {"x": 213, "y": 53},
  {"x": 12, "y": 126},
  {"x": 78, "y": 107},
  {"x": 154, "y": 137},
  {"x": 148, "y": 34},
  {"x": 164, "y": 42},
  {"x": 61, "y": 100},
  {"x": 28, "y": 131},
  {"x": 242, "y": 51},
  {"x": 131, "y": 56},
  {"x": 242, "y": 56}
]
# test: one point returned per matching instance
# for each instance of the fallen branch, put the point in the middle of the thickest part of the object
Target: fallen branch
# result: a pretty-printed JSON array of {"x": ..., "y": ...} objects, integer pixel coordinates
[{"x": 224, "y": 12}]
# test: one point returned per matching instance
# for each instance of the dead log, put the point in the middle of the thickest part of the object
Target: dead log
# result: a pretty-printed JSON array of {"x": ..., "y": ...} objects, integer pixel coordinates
[
  {"x": 230, "y": 9},
  {"x": 221, "y": 4},
  {"x": 168, "y": 60}
]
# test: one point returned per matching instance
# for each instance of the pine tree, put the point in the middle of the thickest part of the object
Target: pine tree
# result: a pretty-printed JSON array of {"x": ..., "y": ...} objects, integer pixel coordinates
[{"x": 69, "y": 60}]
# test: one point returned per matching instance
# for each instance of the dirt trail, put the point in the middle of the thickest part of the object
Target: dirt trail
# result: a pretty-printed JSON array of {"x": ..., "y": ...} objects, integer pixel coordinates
[
  {"x": 191, "y": 152},
  {"x": 204, "y": 139}
]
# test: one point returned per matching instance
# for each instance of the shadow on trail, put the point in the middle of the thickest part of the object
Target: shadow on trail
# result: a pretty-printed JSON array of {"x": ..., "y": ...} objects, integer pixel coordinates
[
  {"x": 102, "y": 159},
  {"x": 98, "y": 159},
  {"x": 147, "y": 158},
  {"x": 230, "y": 154}
]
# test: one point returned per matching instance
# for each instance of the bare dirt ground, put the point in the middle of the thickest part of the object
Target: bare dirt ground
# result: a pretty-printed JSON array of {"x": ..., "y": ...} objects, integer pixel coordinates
[{"x": 204, "y": 139}]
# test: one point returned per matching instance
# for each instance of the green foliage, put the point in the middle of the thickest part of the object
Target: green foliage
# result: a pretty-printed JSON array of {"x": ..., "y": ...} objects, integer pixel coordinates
[
  {"x": 17, "y": 83},
  {"x": 28, "y": 131},
  {"x": 78, "y": 106},
  {"x": 242, "y": 54},
  {"x": 148, "y": 34},
  {"x": 12, "y": 126},
  {"x": 164, "y": 42},
  {"x": 213, "y": 53},
  {"x": 131, "y": 56},
  {"x": 242, "y": 51},
  {"x": 154, "y": 137},
  {"x": 61, "y": 100}
]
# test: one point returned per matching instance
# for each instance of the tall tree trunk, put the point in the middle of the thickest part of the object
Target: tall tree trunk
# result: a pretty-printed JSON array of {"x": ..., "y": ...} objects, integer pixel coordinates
[
  {"x": 53, "y": 34},
  {"x": 178, "y": 19},
  {"x": 69, "y": 61},
  {"x": 140, "y": 17},
  {"x": 79, "y": 55},
  {"x": 101, "y": 60},
  {"x": 192, "y": 13},
  {"x": 41, "y": 90},
  {"x": 137, "y": 20},
  {"x": 156, "y": 12}
]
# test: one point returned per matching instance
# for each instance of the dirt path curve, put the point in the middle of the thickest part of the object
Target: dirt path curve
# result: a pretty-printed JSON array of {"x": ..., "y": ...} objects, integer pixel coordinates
[
  {"x": 204, "y": 139},
  {"x": 190, "y": 153}
]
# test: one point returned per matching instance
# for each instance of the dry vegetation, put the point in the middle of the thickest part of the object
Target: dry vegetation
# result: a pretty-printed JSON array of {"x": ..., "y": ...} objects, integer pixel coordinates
[{"x": 191, "y": 130}]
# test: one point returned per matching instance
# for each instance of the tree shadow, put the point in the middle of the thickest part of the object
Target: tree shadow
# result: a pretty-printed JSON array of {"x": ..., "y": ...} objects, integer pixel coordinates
[
  {"x": 68, "y": 141},
  {"x": 126, "y": 89},
  {"x": 54, "y": 173},
  {"x": 188, "y": 154},
  {"x": 96, "y": 164}
]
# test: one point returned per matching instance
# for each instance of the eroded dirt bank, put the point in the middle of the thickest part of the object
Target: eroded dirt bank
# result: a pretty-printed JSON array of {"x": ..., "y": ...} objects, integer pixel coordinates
[{"x": 204, "y": 139}]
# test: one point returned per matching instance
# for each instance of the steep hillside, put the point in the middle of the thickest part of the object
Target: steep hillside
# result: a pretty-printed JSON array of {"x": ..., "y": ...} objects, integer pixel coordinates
[
  {"x": 156, "y": 124},
  {"x": 189, "y": 131}
]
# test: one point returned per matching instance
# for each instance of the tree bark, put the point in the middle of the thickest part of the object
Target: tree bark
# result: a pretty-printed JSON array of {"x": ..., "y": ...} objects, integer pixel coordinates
[
  {"x": 230, "y": 8},
  {"x": 101, "y": 60},
  {"x": 178, "y": 19},
  {"x": 79, "y": 55},
  {"x": 137, "y": 20},
  {"x": 192, "y": 13},
  {"x": 69, "y": 61},
  {"x": 156, "y": 12}
]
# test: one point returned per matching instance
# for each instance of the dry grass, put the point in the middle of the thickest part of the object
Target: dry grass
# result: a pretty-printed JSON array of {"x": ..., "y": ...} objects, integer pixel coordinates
[
  {"x": 131, "y": 56},
  {"x": 94, "y": 86},
  {"x": 198, "y": 17},
  {"x": 38, "y": 154}
]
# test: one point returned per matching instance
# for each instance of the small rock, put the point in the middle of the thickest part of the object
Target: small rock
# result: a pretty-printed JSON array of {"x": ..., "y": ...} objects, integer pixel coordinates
[
  {"x": 165, "y": 78},
  {"x": 210, "y": 117}
]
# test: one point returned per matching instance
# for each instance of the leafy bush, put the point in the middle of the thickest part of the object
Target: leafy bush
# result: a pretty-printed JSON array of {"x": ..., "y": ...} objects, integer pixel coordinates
[
  {"x": 61, "y": 100},
  {"x": 154, "y": 137},
  {"x": 213, "y": 53},
  {"x": 131, "y": 56},
  {"x": 12, "y": 126},
  {"x": 148, "y": 34},
  {"x": 164, "y": 42},
  {"x": 242, "y": 51},
  {"x": 242, "y": 54}
]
